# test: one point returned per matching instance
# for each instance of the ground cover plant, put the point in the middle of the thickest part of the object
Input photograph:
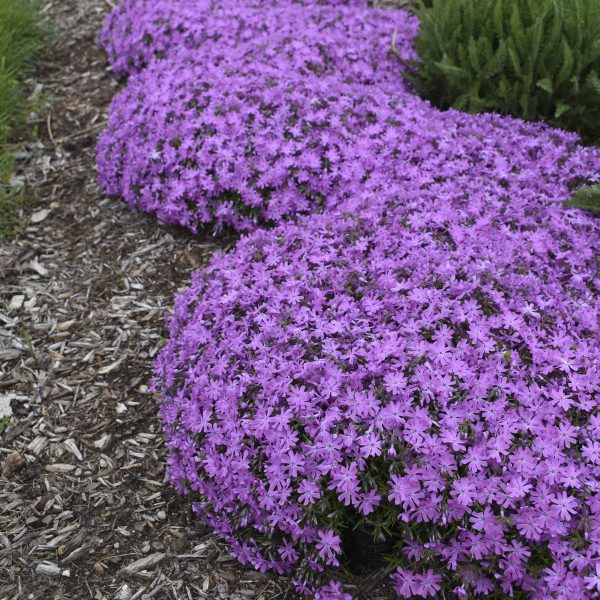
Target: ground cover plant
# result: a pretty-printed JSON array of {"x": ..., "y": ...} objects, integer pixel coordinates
[
  {"x": 537, "y": 59},
  {"x": 429, "y": 378},
  {"x": 138, "y": 32},
  {"x": 20, "y": 38},
  {"x": 420, "y": 361},
  {"x": 240, "y": 153},
  {"x": 252, "y": 129}
]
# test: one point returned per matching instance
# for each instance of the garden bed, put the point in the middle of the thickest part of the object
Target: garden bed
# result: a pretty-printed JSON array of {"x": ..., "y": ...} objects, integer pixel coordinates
[{"x": 421, "y": 318}]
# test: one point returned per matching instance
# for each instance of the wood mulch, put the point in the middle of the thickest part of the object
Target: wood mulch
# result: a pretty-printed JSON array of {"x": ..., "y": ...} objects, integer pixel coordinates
[{"x": 85, "y": 511}]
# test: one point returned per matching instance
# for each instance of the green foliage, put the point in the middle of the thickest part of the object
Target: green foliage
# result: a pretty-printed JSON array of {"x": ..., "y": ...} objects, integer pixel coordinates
[
  {"x": 12, "y": 201},
  {"x": 536, "y": 59},
  {"x": 587, "y": 198},
  {"x": 21, "y": 36}
]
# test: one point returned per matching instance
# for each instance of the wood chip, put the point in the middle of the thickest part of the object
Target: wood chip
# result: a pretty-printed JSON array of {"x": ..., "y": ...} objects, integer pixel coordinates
[
  {"x": 34, "y": 265},
  {"x": 13, "y": 463},
  {"x": 142, "y": 564},
  {"x": 60, "y": 468},
  {"x": 109, "y": 368},
  {"x": 16, "y": 302},
  {"x": 98, "y": 568},
  {"x": 48, "y": 569},
  {"x": 103, "y": 442},
  {"x": 40, "y": 215},
  {"x": 65, "y": 325},
  {"x": 5, "y": 407},
  {"x": 124, "y": 593},
  {"x": 73, "y": 449},
  {"x": 37, "y": 444}
]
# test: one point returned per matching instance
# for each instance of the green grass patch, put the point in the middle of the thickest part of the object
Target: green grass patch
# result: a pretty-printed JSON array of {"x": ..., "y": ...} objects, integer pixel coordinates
[{"x": 21, "y": 38}]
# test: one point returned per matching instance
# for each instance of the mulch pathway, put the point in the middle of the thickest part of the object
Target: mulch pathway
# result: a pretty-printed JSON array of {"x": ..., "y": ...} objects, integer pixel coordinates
[{"x": 85, "y": 511}]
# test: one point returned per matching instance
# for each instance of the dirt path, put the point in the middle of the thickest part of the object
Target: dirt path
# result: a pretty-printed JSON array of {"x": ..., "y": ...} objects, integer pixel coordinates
[{"x": 82, "y": 298}]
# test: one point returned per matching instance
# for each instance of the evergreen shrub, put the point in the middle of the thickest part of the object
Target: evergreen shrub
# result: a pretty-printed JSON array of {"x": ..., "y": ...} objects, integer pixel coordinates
[{"x": 536, "y": 59}]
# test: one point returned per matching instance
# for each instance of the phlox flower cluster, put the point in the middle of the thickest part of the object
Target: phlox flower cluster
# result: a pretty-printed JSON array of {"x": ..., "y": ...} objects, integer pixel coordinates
[
  {"x": 416, "y": 354},
  {"x": 253, "y": 129},
  {"x": 197, "y": 148},
  {"x": 138, "y": 32},
  {"x": 428, "y": 366}
]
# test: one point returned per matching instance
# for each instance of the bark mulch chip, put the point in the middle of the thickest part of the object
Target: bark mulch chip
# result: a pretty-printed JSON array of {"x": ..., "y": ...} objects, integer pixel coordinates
[{"x": 85, "y": 511}]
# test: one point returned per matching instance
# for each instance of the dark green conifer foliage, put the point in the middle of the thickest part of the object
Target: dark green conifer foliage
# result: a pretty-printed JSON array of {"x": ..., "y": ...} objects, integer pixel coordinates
[{"x": 535, "y": 59}]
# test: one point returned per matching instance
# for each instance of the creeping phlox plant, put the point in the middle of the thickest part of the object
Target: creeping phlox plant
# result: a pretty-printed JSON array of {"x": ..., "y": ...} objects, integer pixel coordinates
[
  {"x": 140, "y": 31},
  {"x": 421, "y": 360},
  {"x": 240, "y": 151},
  {"x": 425, "y": 367},
  {"x": 244, "y": 133},
  {"x": 194, "y": 146}
]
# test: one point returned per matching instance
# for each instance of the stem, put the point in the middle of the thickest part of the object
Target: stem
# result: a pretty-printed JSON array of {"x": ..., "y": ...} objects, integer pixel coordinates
[{"x": 394, "y": 50}]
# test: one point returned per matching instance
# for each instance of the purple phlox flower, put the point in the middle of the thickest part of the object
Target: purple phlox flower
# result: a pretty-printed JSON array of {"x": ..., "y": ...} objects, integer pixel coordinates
[
  {"x": 592, "y": 581},
  {"x": 328, "y": 546}
]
